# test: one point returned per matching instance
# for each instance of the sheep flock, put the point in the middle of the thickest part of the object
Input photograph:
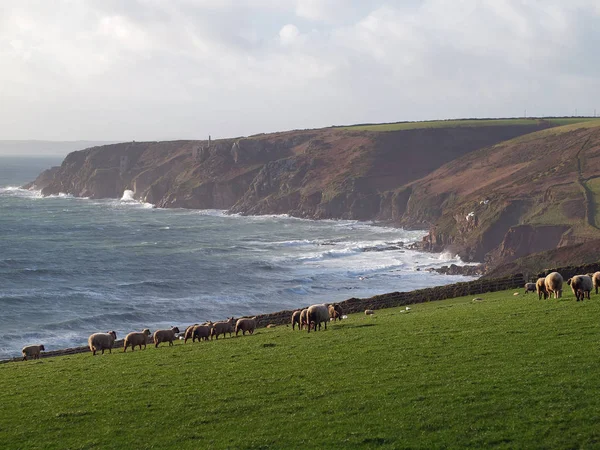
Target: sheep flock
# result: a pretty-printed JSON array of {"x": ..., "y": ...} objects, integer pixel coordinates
[{"x": 310, "y": 318}]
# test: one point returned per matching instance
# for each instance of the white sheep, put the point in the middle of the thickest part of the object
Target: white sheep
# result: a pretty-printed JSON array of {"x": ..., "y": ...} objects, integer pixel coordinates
[
  {"x": 102, "y": 341},
  {"x": 318, "y": 314},
  {"x": 581, "y": 285},
  {"x": 223, "y": 327},
  {"x": 553, "y": 283},
  {"x": 165, "y": 335},
  {"x": 244, "y": 325},
  {"x": 32, "y": 351},
  {"x": 136, "y": 338}
]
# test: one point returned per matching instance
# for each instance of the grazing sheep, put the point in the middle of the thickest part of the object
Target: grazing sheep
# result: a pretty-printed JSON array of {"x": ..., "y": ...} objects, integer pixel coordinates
[
  {"x": 596, "y": 280},
  {"x": 318, "y": 314},
  {"x": 244, "y": 325},
  {"x": 165, "y": 335},
  {"x": 201, "y": 332},
  {"x": 529, "y": 287},
  {"x": 222, "y": 328},
  {"x": 303, "y": 318},
  {"x": 335, "y": 312},
  {"x": 32, "y": 351},
  {"x": 369, "y": 312},
  {"x": 102, "y": 341},
  {"x": 540, "y": 286},
  {"x": 581, "y": 285},
  {"x": 136, "y": 338},
  {"x": 188, "y": 331},
  {"x": 554, "y": 283},
  {"x": 296, "y": 319}
]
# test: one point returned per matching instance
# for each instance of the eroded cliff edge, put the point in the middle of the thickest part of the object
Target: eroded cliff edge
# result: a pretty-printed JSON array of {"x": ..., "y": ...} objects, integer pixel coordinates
[{"x": 478, "y": 190}]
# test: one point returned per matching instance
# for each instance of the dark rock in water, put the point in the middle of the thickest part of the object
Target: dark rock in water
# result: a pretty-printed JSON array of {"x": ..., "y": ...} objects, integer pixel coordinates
[
  {"x": 453, "y": 269},
  {"x": 381, "y": 249},
  {"x": 43, "y": 179}
]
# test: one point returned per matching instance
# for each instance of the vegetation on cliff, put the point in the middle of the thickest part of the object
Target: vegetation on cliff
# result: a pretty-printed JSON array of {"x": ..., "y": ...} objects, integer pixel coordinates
[{"x": 504, "y": 372}]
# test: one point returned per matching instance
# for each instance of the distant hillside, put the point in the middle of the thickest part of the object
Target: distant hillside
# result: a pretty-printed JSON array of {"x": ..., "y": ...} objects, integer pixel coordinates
[{"x": 488, "y": 191}]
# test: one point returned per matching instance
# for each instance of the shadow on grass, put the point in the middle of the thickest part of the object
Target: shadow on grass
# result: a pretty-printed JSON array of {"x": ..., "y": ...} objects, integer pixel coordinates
[{"x": 362, "y": 325}]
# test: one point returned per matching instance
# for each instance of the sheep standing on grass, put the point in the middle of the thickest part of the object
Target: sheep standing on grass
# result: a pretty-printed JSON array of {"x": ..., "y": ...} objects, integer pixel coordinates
[
  {"x": 540, "y": 286},
  {"x": 581, "y": 285},
  {"x": 554, "y": 283},
  {"x": 296, "y": 319},
  {"x": 136, "y": 338},
  {"x": 303, "y": 318},
  {"x": 201, "y": 332},
  {"x": 530, "y": 287},
  {"x": 335, "y": 312},
  {"x": 223, "y": 328},
  {"x": 102, "y": 341},
  {"x": 32, "y": 351},
  {"x": 244, "y": 325},
  {"x": 596, "y": 280},
  {"x": 318, "y": 314},
  {"x": 165, "y": 336}
]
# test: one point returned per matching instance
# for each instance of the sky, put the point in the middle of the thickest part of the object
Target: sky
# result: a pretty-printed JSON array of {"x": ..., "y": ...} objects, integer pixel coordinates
[{"x": 116, "y": 70}]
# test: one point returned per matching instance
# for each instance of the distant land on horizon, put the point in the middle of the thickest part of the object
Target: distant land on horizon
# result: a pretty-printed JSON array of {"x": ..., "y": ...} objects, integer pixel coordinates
[{"x": 45, "y": 148}]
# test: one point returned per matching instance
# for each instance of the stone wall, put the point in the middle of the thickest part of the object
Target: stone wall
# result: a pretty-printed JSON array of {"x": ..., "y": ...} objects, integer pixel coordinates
[{"x": 569, "y": 271}]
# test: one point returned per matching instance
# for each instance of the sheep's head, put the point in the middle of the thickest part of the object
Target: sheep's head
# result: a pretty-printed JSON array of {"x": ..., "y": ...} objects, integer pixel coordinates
[
  {"x": 569, "y": 281},
  {"x": 42, "y": 348},
  {"x": 175, "y": 330},
  {"x": 146, "y": 332}
]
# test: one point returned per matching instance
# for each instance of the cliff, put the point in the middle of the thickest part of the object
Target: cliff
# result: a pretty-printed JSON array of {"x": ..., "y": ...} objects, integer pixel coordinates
[{"x": 490, "y": 193}]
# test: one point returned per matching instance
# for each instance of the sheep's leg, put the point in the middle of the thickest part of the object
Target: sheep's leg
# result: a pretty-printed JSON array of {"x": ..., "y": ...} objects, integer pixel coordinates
[{"x": 24, "y": 358}]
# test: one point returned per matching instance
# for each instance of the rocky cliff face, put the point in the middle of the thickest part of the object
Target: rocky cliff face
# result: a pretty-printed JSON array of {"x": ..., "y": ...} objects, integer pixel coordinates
[{"x": 480, "y": 194}]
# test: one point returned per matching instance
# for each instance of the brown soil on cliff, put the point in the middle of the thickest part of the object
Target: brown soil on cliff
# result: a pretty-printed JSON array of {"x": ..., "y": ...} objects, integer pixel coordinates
[{"x": 526, "y": 195}]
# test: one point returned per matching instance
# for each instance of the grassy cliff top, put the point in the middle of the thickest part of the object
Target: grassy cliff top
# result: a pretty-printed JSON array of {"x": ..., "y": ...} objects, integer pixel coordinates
[
  {"x": 397, "y": 126},
  {"x": 505, "y": 372}
]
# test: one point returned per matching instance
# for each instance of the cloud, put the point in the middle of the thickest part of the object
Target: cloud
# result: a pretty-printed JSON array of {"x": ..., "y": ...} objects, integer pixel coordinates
[{"x": 149, "y": 69}]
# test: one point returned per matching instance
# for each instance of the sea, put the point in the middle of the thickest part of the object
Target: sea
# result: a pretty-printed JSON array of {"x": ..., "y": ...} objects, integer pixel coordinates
[{"x": 72, "y": 266}]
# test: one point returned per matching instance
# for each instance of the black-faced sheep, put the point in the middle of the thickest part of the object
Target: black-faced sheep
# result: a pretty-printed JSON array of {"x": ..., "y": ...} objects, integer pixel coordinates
[
  {"x": 296, "y": 319},
  {"x": 32, "y": 351},
  {"x": 201, "y": 332},
  {"x": 223, "y": 328},
  {"x": 540, "y": 286},
  {"x": 165, "y": 336},
  {"x": 581, "y": 285},
  {"x": 596, "y": 280},
  {"x": 244, "y": 325},
  {"x": 136, "y": 338},
  {"x": 318, "y": 314},
  {"x": 553, "y": 283},
  {"x": 303, "y": 318},
  {"x": 530, "y": 287},
  {"x": 335, "y": 312},
  {"x": 102, "y": 341}
]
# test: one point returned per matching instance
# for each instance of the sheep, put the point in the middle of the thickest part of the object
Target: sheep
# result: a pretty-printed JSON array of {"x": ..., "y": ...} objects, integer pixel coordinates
[
  {"x": 296, "y": 319},
  {"x": 554, "y": 283},
  {"x": 244, "y": 325},
  {"x": 102, "y": 341},
  {"x": 201, "y": 332},
  {"x": 530, "y": 287},
  {"x": 164, "y": 336},
  {"x": 318, "y": 314},
  {"x": 303, "y": 318},
  {"x": 335, "y": 312},
  {"x": 540, "y": 286},
  {"x": 188, "y": 331},
  {"x": 369, "y": 312},
  {"x": 222, "y": 328},
  {"x": 581, "y": 285},
  {"x": 596, "y": 280},
  {"x": 136, "y": 338},
  {"x": 32, "y": 351}
]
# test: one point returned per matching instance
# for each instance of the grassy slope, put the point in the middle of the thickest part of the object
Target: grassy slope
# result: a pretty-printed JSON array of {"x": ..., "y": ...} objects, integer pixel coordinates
[
  {"x": 464, "y": 123},
  {"x": 506, "y": 372}
]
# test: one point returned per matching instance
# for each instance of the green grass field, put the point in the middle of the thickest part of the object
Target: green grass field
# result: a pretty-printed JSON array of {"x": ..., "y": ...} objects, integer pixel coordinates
[
  {"x": 559, "y": 121},
  {"x": 506, "y": 372}
]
